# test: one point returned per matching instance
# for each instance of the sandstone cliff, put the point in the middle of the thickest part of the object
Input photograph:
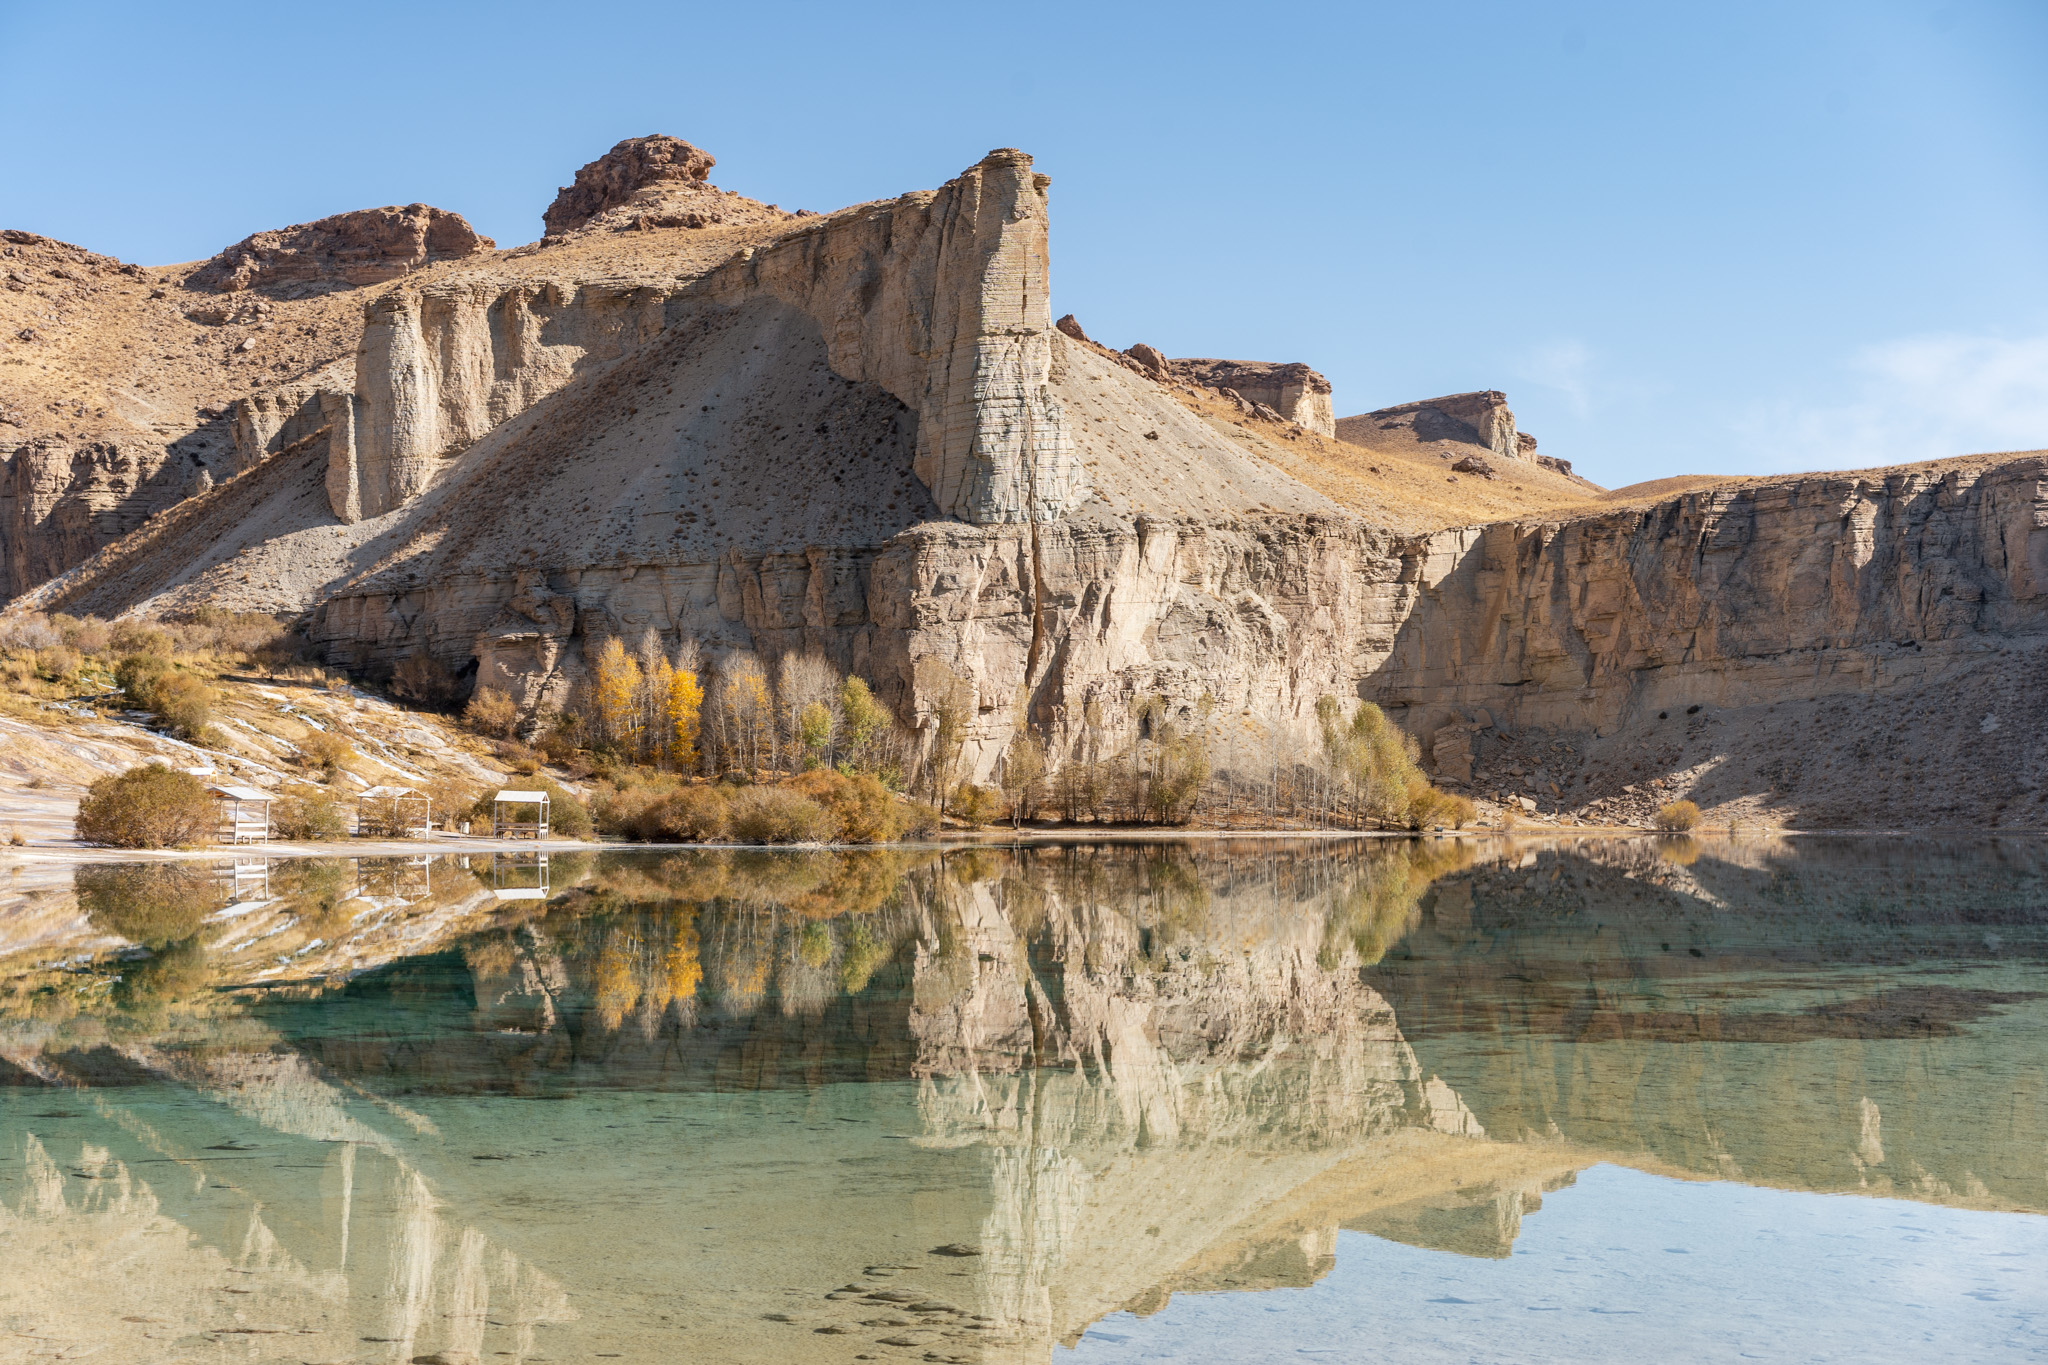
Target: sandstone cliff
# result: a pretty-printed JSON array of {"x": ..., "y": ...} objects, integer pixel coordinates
[{"x": 862, "y": 435}]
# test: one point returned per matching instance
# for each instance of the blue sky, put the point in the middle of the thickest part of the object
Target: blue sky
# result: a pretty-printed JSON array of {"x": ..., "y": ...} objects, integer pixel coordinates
[{"x": 1683, "y": 238}]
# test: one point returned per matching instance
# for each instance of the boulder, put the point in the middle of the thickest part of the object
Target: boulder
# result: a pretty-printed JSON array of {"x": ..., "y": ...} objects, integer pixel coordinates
[{"x": 1149, "y": 360}]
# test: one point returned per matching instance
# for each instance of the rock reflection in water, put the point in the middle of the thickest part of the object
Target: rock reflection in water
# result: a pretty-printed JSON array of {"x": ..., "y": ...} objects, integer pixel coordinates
[{"x": 1117, "y": 1072}]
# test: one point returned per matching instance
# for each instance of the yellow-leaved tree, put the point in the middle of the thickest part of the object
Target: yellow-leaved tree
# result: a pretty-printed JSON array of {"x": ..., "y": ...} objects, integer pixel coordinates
[
  {"x": 614, "y": 692},
  {"x": 655, "y": 742},
  {"x": 685, "y": 717}
]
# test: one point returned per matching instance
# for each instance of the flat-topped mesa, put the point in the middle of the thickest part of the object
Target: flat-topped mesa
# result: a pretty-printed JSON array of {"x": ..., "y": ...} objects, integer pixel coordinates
[
  {"x": 1292, "y": 389},
  {"x": 650, "y": 182},
  {"x": 1481, "y": 418},
  {"x": 365, "y": 246}
]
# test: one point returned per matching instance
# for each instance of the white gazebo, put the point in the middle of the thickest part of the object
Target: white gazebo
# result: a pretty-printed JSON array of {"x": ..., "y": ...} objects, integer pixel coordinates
[
  {"x": 508, "y": 823},
  {"x": 242, "y": 815},
  {"x": 394, "y": 813}
]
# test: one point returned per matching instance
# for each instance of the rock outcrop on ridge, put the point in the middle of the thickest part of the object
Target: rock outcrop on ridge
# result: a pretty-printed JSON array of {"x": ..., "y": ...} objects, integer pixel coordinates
[
  {"x": 1296, "y": 392},
  {"x": 650, "y": 182},
  {"x": 366, "y": 246},
  {"x": 862, "y": 435}
]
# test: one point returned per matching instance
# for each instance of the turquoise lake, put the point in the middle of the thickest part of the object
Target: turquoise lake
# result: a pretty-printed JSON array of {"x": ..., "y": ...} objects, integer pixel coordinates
[{"x": 1776, "y": 1099}]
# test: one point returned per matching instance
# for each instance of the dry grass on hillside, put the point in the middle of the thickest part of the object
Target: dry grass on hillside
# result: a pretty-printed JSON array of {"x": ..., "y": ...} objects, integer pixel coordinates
[{"x": 1404, "y": 485}]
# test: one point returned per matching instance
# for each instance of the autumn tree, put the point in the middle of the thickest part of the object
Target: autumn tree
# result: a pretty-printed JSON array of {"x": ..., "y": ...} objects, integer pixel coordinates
[
  {"x": 683, "y": 719},
  {"x": 615, "y": 697},
  {"x": 862, "y": 721},
  {"x": 1023, "y": 773}
]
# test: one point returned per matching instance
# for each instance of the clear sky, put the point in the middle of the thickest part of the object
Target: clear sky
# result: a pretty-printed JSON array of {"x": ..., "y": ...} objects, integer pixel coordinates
[{"x": 1729, "y": 237}]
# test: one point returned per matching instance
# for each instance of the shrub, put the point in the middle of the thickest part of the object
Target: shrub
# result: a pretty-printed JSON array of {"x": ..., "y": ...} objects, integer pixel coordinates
[
  {"x": 862, "y": 810},
  {"x": 152, "y": 806},
  {"x": 309, "y": 813},
  {"x": 490, "y": 712},
  {"x": 630, "y": 807},
  {"x": 138, "y": 637},
  {"x": 325, "y": 751},
  {"x": 778, "y": 815},
  {"x": 138, "y": 676},
  {"x": 975, "y": 805},
  {"x": 1429, "y": 807},
  {"x": 567, "y": 815},
  {"x": 695, "y": 815},
  {"x": 1678, "y": 816},
  {"x": 922, "y": 820},
  {"x": 185, "y": 705},
  {"x": 180, "y": 701},
  {"x": 57, "y": 663}
]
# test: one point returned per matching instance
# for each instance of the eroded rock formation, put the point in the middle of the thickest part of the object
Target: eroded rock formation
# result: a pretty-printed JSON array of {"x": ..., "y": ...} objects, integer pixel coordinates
[
  {"x": 1481, "y": 418},
  {"x": 364, "y": 246},
  {"x": 862, "y": 435},
  {"x": 1296, "y": 392},
  {"x": 629, "y": 167}
]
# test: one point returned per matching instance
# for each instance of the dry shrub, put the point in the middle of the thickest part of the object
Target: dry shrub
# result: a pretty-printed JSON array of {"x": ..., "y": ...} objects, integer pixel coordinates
[
  {"x": 862, "y": 810},
  {"x": 310, "y": 814},
  {"x": 490, "y": 712},
  {"x": 695, "y": 815},
  {"x": 1429, "y": 807},
  {"x": 180, "y": 701},
  {"x": 778, "y": 815},
  {"x": 325, "y": 751},
  {"x": 58, "y": 663},
  {"x": 139, "y": 637},
  {"x": 152, "y": 806},
  {"x": 450, "y": 799},
  {"x": 629, "y": 807},
  {"x": 1678, "y": 816},
  {"x": 975, "y": 805},
  {"x": 185, "y": 706}
]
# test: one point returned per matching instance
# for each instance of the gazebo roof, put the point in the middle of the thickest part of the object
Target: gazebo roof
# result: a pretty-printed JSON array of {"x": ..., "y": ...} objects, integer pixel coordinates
[
  {"x": 386, "y": 793},
  {"x": 241, "y": 793},
  {"x": 520, "y": 796}
]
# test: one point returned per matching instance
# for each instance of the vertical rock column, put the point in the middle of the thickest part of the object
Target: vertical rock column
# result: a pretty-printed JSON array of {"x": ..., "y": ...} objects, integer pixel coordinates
[
  {"x": 992, "y": 443},
  {"x": 398, "y": 421}
]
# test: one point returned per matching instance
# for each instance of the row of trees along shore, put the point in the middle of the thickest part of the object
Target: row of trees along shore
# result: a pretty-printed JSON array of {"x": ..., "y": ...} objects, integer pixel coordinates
[{"x": 644, "y": 711}]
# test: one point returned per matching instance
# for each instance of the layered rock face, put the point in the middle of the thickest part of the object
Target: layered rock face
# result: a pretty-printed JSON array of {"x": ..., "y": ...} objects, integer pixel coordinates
[
  {"x": 861, "y": 435},
  {"x": 366, "y": 246},
  {"x": 1704, "y": 633},
  {"x": 1296, "y": 392},
  {"x": 1480, "y": 419}
]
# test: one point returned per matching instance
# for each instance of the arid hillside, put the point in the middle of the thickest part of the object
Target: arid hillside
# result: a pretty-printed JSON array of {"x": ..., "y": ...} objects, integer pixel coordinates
[{"x": 861, "y": 435}]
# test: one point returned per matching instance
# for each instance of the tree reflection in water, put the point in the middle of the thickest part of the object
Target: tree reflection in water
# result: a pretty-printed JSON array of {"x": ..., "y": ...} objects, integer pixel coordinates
[{"x": 1110, "y": 1072}]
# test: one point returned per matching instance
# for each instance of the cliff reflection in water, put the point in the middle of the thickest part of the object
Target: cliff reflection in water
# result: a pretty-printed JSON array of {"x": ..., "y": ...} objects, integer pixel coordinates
[{"x": 1093, "y": 1076}]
